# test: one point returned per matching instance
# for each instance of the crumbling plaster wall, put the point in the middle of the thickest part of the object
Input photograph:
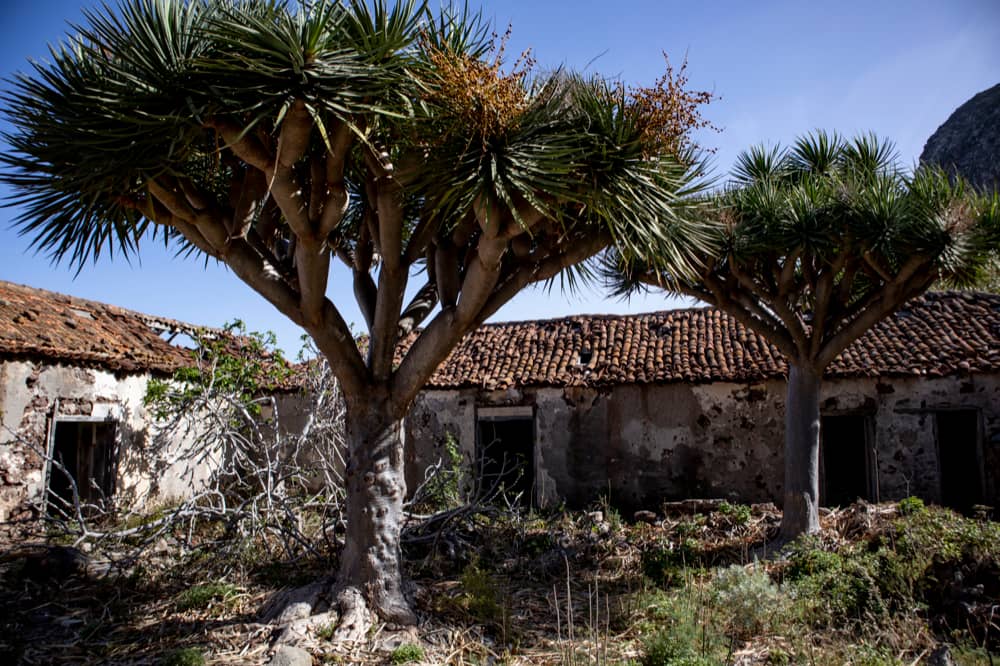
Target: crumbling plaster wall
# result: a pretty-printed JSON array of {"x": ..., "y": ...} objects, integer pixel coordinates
[
  {"x": 148, "y": 469},
  {"x": 642, "y": 444}
]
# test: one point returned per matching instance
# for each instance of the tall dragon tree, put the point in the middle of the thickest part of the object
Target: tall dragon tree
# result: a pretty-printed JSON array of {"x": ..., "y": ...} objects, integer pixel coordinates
[
  {"x": 386, "y": 145},
  {"x": 814, "y": 245}
]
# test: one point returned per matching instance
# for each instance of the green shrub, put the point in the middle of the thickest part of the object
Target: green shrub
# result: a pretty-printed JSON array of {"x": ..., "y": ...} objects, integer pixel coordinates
[
  {"x": 749, "y": 602},
  {"x": 739, "y": 515},
  {"x": 844, "y": 588},
  {"x": 327, "y": 631},
  {"x": 444, "y": 490},
  {"x": 200, "y": 596},
  {"x": 407, "y": 653},
  {"x": 482, "y": 595},
  {"x": 909, "y": 506},
  {"x": 667, "y": 566},
  {"x": 661, "y": 649},
  {"x": 184, "y": 657},
  {"x": 806, "y": 557}
]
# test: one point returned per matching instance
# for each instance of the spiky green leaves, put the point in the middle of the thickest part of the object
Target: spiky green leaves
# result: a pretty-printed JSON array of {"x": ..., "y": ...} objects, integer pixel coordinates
[
  {"x": 827, "y": 196},
  {"x": 140, "y": 93}
]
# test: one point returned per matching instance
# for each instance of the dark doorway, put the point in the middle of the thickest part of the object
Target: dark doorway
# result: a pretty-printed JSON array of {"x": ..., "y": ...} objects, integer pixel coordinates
[
  {"x": 959, "y": 456},
  {"x": 86, "y": 451},
  {"x": 844, "y": 460},
  {"x": 507, "y": 453}
]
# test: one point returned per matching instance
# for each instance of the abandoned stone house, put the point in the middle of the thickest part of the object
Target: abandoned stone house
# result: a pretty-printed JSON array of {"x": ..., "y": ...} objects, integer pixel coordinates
[
  {"x": 689, "y": 403},
  {"x": 640, "y": 408},
  {"x": 73, "y": 374}
]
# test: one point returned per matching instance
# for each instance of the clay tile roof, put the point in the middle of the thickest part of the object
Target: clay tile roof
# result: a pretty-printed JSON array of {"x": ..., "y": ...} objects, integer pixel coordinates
[
  {"x": 40, "y": 324},
  {"x": 938, "y": 334}
]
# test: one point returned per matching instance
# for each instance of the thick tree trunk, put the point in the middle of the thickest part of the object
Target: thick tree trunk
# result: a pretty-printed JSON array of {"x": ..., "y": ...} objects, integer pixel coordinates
[
  {"x": 801, "y": 508},
  {"x": 370, "y": 576}
]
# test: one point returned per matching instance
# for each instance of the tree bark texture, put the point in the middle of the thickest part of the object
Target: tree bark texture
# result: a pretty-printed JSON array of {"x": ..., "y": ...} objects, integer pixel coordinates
[
  {"x": 370, "y": 565},
  {"x": 802, "y": 423}
]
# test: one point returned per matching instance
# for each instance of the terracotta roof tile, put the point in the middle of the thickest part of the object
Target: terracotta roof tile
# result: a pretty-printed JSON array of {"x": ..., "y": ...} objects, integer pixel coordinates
[
  {"x": 35, "y": 323},
  {"x": 938, "y": 334}
]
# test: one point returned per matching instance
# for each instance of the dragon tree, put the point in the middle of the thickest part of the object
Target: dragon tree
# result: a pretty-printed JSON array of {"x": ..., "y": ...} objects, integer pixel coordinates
[{"x": 388, "y": 145}]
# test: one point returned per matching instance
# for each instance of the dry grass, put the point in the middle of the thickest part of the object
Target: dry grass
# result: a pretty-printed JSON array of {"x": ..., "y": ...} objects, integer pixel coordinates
[{"x": 562, "y": 589}]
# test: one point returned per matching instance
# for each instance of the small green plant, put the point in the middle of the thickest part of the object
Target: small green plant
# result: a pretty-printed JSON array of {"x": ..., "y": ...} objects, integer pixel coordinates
[
  {"x": 444, "y": 489},
  {"x": 748, "y": 601},
  {"x": 184, "y": 657},
  {"x": 909, "y": 506},
  {"x": 326, "y": 632},
  {"x": 739, "y": 515},
  {"x": 837, "y": 588},
  {"x": 407, "y": 653},
  {"x": 661, "y": 649},
  {"x": 660, "y": 565},
  {"x": 482, "y": 596},
  {"x": 201, "y": 596},
  {"x": 778, "y": 657}
]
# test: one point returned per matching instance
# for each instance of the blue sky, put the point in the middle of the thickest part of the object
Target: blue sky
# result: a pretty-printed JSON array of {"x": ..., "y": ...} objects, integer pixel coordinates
[{"x": 895, "y": 67}]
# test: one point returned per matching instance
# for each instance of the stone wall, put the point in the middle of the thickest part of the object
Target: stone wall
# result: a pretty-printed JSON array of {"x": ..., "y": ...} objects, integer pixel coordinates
[{"x": 641, "y": 445}]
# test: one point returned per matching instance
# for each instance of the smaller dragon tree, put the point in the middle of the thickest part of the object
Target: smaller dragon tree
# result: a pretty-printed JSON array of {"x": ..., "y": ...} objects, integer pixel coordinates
[{"x": 813, "y": 246}]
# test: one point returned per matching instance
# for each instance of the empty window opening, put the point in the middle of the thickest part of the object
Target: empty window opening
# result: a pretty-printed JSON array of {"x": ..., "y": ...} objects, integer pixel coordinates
[
  {"x": 845, "y": 460},
  {"x": 960, "y": 458},
  {"x": 507, "y": 455},
  {"x": 83, "y": 455}
]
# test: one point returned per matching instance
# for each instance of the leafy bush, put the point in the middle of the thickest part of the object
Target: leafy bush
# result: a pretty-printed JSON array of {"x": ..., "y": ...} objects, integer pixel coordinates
[
  {"x": 407, "y": 653},
  {"x": 749, "y": 602},
  {"x": 444, "y": 488},
  {"x": 667, "y": 566},
  {"x": 837, "y": 588},
  {"x": 482, "y": 596},
  {"x": 738, "y": 514},
  {"x": 661, "y": 649},
  {"x": 909, "y": 506}
]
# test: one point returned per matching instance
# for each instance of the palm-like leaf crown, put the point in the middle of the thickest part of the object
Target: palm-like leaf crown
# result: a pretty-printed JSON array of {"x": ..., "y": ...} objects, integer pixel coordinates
[
  {"x": 129, "y": 98},
  {"x": 813, "y": 243},
  {"x": 277, "y": 138}
]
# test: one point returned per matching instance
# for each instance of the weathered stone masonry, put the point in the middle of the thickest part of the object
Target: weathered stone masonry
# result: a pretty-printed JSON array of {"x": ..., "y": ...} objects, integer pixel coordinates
[
  {"x": 641, "y": 444},
  {"x": 690, "y": 404}
]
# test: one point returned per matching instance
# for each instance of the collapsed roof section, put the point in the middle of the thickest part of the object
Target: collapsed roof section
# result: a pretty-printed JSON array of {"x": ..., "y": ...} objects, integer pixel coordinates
[{"x": 40, "y": 324}]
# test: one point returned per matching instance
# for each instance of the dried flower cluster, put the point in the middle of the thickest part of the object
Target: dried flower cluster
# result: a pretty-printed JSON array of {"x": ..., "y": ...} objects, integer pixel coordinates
[
  {"x": 481, "y": 95},
  {"x": 668, "y": 112}
]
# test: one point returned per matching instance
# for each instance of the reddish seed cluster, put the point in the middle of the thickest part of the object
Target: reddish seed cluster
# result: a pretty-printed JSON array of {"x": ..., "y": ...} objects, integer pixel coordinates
[
  {"x": 668, "y": 112},
  {"x": 481, "y": 95}
]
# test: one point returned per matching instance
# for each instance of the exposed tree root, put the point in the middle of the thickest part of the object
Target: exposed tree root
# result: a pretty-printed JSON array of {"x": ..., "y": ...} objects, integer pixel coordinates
[
  {"x": 355, "y": 618},
  {"x": 299, "y": 613}
]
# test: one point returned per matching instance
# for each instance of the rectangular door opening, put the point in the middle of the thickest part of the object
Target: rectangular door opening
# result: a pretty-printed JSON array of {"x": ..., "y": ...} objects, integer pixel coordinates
[
  {"x": 507, "y": 457},
  {"x": 845, "y": 460},
  {"x": 960, "y": 458},
  {"x": 86, "y": 452}
]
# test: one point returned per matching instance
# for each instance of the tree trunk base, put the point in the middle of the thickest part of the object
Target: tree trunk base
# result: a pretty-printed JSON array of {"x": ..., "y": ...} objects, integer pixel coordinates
[{"x": 299, "y": 614}]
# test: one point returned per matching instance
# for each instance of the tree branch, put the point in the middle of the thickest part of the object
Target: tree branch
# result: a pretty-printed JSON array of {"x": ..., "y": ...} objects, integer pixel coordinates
[
  {"x": 915, "y": 275},
  {"x": 248, "y": 148},
  {"x": 451, "y": 323},
  {"x": 420, "y": 306},
  {"x": 392, "y": 277},
  {"x": 748, "y": 312}
]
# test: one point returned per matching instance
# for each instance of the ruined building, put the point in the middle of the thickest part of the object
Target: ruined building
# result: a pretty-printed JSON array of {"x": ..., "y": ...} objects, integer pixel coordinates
[
  {"x": 689, "y": 403},
  {"x": 73, "y": 374},
  {"x": 667, "y": 405}
]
